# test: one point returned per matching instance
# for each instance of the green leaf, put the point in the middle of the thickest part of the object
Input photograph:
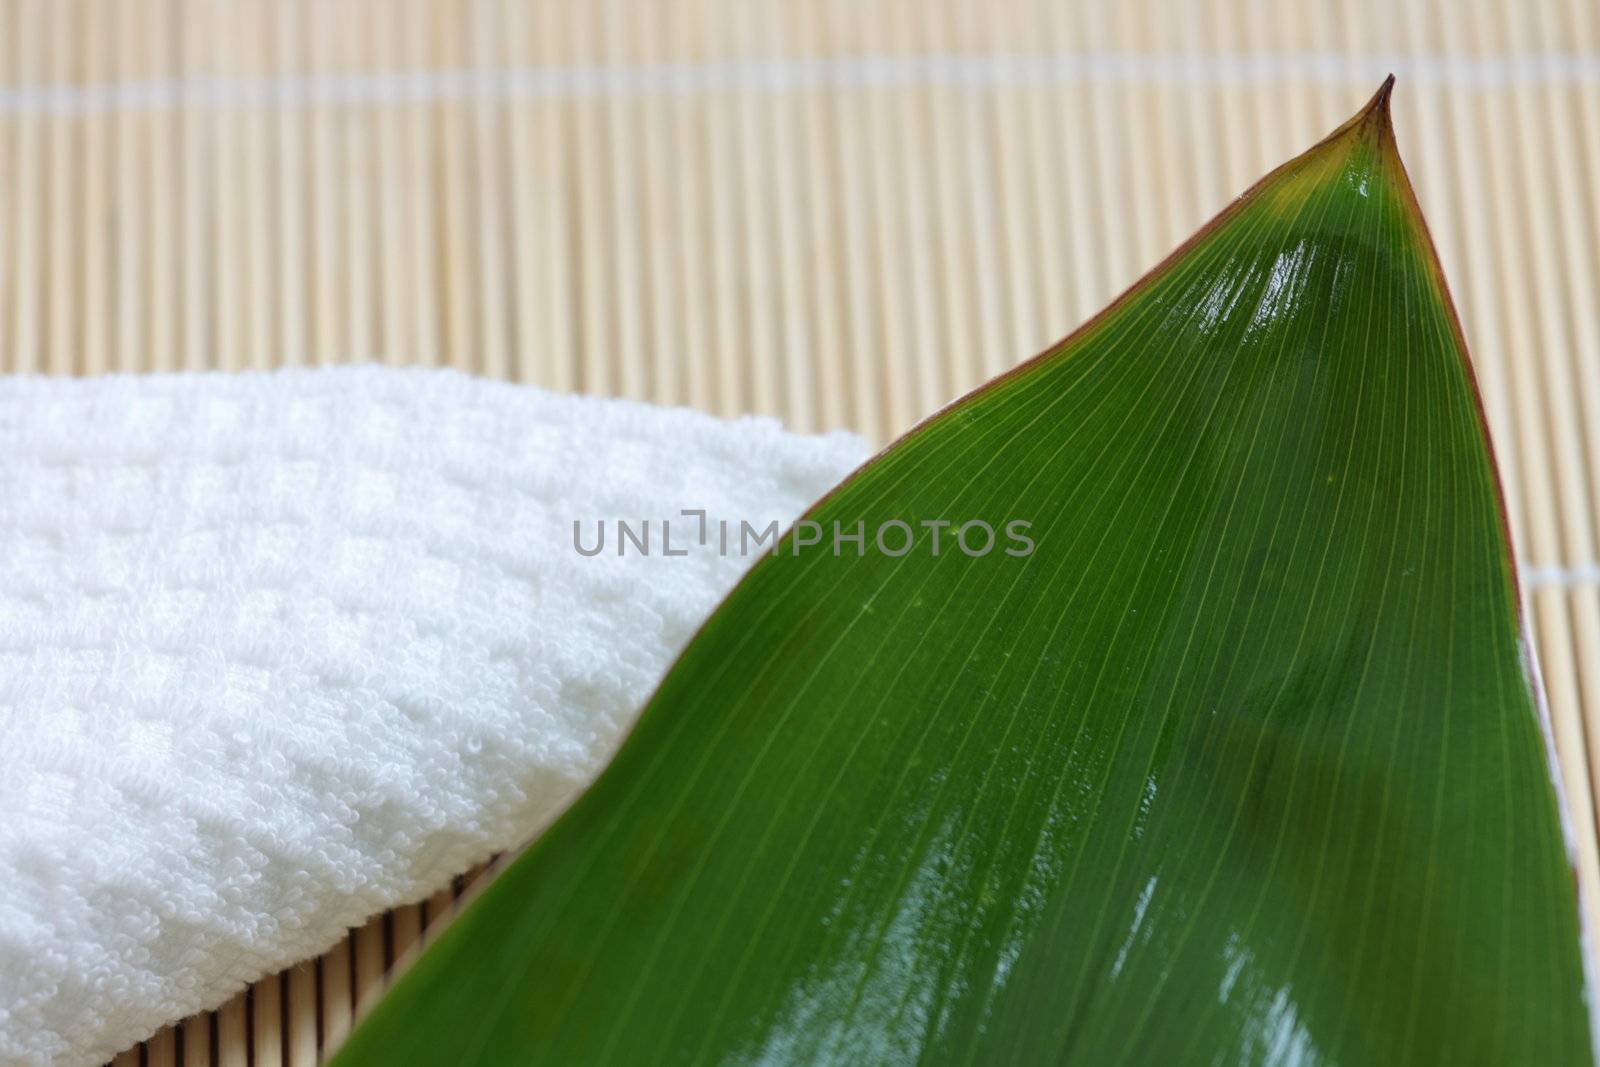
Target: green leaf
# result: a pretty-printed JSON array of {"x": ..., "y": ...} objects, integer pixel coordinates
[{"x": 1241, "y": 764}]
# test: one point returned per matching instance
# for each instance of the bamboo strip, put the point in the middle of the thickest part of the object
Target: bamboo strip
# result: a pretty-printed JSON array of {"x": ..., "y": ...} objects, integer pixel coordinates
[
  {"x": 337, "y": 1000},
  {"x": 427, "y": 337},
  {"x": 161, "y": 339},
  {"x": 230, "y": 255},
  {"x": 910, "y": 250},
  {"x": 198, "y": 1035},
  {"x": 727, "y": 341},
  {"x": 392, "y": 250},
  {"x": 861, "y": 299},
  {"x": 696, "y": 263},
  {"x": 663, "y": 374},
  {"x": 436, "y": 912},
  {"x": 893, "y": 349},
  {"x": 593, "y": 343},
  {"x": 131, "y": 302},
  {"x": 259, "y": 302},
  {"x": 23, "y": 232},
  {"x": 266, "y": 1022},
  {"x": 352, "y": 195},
  {"x": 63, "y": 193},
  {"x": 489, "y": 138},
  {"x": 369, "y": 952},
  {"x": 325, "y": 265},
  {"x": 1049, "y": 214},
  {"x": 624, "y": 295},
  {"x": 9, "y": 205},
  {"x": 999, "y": 347},
  {"x": 197, "y": 192},
  {"x": 752, "y": 175},
  {"x": 292, "y": 275},
  {"x": 300, "y": 1014},
  {"x": 405, "y": 931},
  {"x": 824, "y": 303},
  {"x": 1009, "y": 118},
  {"x": 233, "y": 1032},
  {"x": 162, "y": 1049},
  {"x": 792, "y": 338}
]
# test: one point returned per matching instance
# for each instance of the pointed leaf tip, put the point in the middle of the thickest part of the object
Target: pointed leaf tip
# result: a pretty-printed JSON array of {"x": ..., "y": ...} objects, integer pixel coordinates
[
  {"x": 1373, "y": 121},
  {"x": 1375, "y": 117},
  {"x": 1378, "y": 106}
]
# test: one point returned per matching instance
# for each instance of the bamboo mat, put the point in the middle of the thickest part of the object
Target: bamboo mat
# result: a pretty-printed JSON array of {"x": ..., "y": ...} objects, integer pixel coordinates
[{"x": 844, "y": 213}]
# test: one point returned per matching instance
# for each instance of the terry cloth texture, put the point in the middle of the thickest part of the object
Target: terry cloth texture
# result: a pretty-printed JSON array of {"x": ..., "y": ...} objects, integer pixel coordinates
[{"x": 279, "y": 651}]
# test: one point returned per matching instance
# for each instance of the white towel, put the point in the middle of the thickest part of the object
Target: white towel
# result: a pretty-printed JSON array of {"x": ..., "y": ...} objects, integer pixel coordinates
[{"x": 279, "y": 651}]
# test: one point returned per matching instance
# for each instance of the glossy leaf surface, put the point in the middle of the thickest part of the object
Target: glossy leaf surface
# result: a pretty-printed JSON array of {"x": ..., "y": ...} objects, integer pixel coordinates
[{"x": 1240, "y": 765}]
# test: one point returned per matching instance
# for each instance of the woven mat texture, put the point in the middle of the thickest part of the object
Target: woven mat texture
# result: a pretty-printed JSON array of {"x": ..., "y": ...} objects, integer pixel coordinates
[{"x": 844, "y": 213}]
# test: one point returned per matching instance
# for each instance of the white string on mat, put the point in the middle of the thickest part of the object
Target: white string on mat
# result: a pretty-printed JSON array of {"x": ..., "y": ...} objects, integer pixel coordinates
[{"x": 775, "y": 75}]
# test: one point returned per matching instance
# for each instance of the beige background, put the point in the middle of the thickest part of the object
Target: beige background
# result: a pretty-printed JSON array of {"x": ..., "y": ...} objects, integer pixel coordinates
[{"x": 844, "y": 213}]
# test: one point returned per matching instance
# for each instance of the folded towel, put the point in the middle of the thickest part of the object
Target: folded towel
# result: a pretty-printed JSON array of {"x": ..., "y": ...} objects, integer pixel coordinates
[{"x": 280, "y": 651}]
